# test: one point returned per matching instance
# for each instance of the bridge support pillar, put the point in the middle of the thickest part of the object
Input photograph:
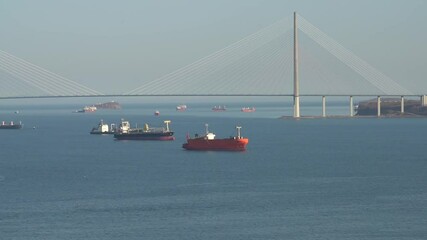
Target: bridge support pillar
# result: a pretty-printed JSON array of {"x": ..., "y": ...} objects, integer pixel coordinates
[
  {"x": 378, "y": 106},
  {"x": 351, "y": 107},
  {"x": 402, "y": 104},
  {"x": 423, "y": 100},
  {"x": 296, "y": 107},
  {"x": 323, "y": 106}
]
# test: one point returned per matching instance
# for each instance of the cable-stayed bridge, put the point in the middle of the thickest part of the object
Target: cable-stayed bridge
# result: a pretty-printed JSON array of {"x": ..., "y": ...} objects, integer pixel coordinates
[
  {"x": 275, "y": 61},
  {"x": 22, "y": 79},
  {"x": 262, "y": 64}
]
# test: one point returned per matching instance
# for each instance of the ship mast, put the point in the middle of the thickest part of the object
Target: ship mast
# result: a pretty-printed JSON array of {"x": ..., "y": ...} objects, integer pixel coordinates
[
  {"x": 167, "y": 125},
  {"x": 296, "y": 80},
  {"x": 238, "y": 131},
  {"x": 207, "y": 130}
]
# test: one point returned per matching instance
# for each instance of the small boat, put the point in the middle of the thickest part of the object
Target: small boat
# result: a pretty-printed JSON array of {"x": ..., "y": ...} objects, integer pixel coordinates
[
  {"x": 181, "y": 107},
  {"x": 248, "y": 109},
  {"x": 156, "y": 113},
  {"x": 87, "y": 109},
  {"x": 11, "y": 125},
  {"x": 125, "y": 132},
  {"x": 356, "y": 107},
  {"x": 208, "y": 142},
  {"x": 219, "y": 108},
  {"x": 103, "y": 128}
]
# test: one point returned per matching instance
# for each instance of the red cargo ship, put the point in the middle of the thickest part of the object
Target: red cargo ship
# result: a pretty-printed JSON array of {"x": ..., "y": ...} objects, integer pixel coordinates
[
  {"x": 248, "y": 109},
  {"x": 209, "y": 143},
  {"x": 181, "y": 107}
]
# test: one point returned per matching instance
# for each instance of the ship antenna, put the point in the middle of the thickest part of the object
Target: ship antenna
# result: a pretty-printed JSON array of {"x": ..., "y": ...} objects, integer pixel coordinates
[
  {"x": 167, "y": 125},
  {"x": 238, "y": 131},
  {"x": 206, "y": 126}
]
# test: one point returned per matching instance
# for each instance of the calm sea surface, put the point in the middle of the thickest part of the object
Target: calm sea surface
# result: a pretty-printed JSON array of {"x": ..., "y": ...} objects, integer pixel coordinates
[{"x": 306, "y": 179}]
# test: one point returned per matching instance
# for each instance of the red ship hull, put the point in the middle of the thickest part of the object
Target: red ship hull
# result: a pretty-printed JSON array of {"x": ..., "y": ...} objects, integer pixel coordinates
[
  {"x": 226, "y": 144},
  {"x": 248, "y": 110}
]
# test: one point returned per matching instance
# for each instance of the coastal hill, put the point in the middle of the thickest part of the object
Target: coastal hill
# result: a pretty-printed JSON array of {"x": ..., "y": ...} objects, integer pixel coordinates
[{"x": 391, "y": 107}]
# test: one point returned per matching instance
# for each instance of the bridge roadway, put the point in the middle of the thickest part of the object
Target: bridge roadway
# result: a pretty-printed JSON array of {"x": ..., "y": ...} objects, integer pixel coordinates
[
  {"x": 351, "y": 105},
  {"x": 214, "y": 95}
]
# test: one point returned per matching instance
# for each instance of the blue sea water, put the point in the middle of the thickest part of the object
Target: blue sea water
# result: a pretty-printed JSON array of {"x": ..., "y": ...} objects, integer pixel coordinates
[{"x": 298, "y": 179}]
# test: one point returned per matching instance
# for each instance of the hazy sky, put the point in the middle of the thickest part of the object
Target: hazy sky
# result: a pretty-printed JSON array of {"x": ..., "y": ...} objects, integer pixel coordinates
[{"x": 115, "y": 46}]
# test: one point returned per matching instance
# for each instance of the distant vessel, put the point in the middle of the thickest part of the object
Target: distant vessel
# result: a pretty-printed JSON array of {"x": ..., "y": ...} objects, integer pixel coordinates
[
  {"x": 103, "y": 128},
  {"x": 356, "y": 107},
  {"x": 219, "y": 108},
  {"x": 181, "y": 107},
  {"x": 209, "y": 143},
  {"x": 248, "y": 109},
  {"x": 10, "y": 125},
  {"x": 108, "y": 105},
  {"x": 87, "y": 109},
  {"x": 125, "y": 132},
  {"x": 156, "y": 113}
]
